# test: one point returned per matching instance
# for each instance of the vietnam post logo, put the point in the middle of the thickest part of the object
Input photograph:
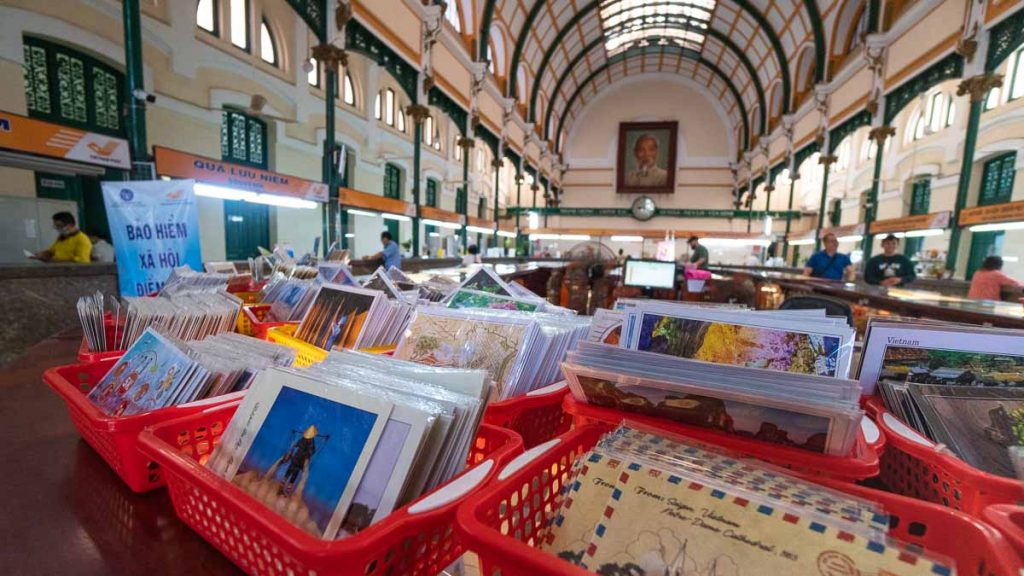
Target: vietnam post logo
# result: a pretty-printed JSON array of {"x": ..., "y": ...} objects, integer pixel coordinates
[{"x": 127, "y": 195}]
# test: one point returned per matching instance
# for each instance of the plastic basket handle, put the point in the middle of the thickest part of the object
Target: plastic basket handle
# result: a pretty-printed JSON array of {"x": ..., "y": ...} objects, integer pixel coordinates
[
  {"x": 901, "y": 429},
  {"x": 871, "y": 432},
  {"x": 524, "y": 459},
  {"x": 549, "y": 389},
  {"x": 453, "y": 490}
]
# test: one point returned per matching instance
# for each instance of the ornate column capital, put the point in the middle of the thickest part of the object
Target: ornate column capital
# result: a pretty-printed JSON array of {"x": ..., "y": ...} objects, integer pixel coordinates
[
  {"x": 978, "y": 86},
  {"x": 465, "y": 143},
  {"x": 418, "y": 112},
  {"x": 827, "y": 159},
  {"x": 880, "y": 133},
  {"x": 535, "y": 187},
  {"x": 769, "y": 188},
  {"x": 497, "y": 163},
  {"x": 330, "y": 56}
]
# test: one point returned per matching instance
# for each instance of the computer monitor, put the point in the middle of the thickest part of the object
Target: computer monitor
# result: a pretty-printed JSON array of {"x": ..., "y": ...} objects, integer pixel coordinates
[{"x": 650, "y": 274}]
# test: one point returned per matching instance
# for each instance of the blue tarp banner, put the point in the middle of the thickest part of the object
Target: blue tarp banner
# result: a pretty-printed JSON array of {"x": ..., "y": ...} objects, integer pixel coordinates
[{"x": 154, "y": 225}]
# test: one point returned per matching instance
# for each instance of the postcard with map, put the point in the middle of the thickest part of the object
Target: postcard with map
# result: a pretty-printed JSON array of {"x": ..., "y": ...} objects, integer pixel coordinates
[
  {"x": 465, "y": 298},
  {"x": 656, "y": 522},
  {"x": 448, "y": 338}
]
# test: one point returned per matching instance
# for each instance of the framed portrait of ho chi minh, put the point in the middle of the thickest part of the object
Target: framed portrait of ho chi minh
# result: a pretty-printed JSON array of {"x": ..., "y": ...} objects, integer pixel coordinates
[{"x": 647, "y": 158}]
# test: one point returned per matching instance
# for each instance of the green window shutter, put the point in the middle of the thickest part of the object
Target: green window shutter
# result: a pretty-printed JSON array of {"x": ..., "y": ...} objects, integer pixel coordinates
[
  {"x": 37, "y": 81},
  {"x": 432, "y": 193},
  {"x": 392, "y": 181},
  {"x": 997, "y": 180},
  {"x": 921, "y": 196},
  {"x": 243, "y": 139},
  {"x": 836, "y": 216},
  {"x": 481, "y": 209}
]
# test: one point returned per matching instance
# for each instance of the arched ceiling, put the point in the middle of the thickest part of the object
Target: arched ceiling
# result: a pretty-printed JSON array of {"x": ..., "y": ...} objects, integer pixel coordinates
[{"x": 561, "y": 52}]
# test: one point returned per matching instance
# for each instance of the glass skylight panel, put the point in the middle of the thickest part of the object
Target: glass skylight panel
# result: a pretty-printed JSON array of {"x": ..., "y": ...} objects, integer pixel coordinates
[{"x": 629, "y": 23}]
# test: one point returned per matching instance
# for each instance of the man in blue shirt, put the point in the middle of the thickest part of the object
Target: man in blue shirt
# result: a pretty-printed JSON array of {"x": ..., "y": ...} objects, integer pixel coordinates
[
  {"x": 391, "y": 255},
  {"x": 829, "y": 264}
]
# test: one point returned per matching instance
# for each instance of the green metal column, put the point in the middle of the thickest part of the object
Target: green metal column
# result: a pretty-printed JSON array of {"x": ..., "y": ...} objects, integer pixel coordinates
[
  {"x": 825, "y": 161},
  {"x": 769, "y": 188},
  {"x": 419, "y": 115},
  {"x": 467, "y": 147},
  {"x": 135, "y": 123},
  {"x": 789, "y": 215},
  {"x": 977, "y": 87},
  {"x": 871, "y": 209},
  {"x": 329, "y": 169},
  {"x": 750, "y": 204},
  {"x": 497, "y": 181},
  {"x": 519, "y": 203}
]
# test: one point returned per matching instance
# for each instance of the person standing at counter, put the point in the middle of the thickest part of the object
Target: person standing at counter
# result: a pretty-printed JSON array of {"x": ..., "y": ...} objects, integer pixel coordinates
[
  {"x": 829, "y": 263},
  {"x": 889, "y": 268},
  {"x": 391, "y": 255},
  {"x": 698, "y": 254},
  {"x": 988, "y": 282},
  {"x": 71, "y": 245}
]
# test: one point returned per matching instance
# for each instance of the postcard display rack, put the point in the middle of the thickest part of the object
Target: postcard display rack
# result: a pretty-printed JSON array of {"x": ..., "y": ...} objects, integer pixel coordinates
[
  {"x": 504, "y": 522},
  {"x": 417, "y": 539}
]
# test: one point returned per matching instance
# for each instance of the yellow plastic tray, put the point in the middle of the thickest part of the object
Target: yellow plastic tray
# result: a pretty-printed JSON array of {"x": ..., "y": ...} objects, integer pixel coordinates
[{"x": 307, "y": 353}]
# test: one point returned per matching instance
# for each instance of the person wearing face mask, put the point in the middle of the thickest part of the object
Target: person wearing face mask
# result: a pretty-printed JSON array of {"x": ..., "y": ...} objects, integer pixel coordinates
[
  {"x": 829, "y": 263},
  {"x": 647, "y": 172},
  {"x": 71, "y": 245}
]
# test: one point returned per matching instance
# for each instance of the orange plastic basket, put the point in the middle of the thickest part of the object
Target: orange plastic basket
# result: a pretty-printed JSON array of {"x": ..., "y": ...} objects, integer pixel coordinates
[
  {"x": 860, "y": 465},
  {"x": 503, "y": 522},
  {"x": 85, "y": 355},
  {"x": 537, "y": 416},
  {"x": 1009, "y": 520},
  {"x": 915, "y": 466},
  {"x": 116, "y": 438},
  {"x": 417, "y": 539}
]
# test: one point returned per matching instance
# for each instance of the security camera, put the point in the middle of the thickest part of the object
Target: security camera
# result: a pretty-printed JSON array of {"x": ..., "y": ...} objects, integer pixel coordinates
[{"x": 140, "y": 94}]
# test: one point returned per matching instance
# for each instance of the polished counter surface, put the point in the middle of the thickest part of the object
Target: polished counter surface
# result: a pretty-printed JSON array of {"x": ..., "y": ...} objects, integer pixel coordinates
[{"x": 65, "y": 511}]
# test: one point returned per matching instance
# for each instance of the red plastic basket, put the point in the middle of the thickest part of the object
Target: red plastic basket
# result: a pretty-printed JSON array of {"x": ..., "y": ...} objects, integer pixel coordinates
[
  {"x": 116, "y": 438},
  {"x": 915, "y": 466},
  {"x": 504, "y": 521},
  {"x": 537, "y": 416},
  {"x": 861, "y": 465},
  {"x": 1009, "y": 520},
  {"x": 252, "y": 321},
  {"x": 417, "y": 539}
]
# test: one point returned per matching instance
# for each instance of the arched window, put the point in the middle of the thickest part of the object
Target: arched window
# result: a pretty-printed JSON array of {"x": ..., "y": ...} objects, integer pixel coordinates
[
  {"x": 861, "y": 30},
  {"x": 313, "y": 76},
  {"x": 401, "y": 120},
  {"x": 1015, "y": 72},
  {"x": 268, "y": 50},
  {"x": 377, "y": 106},
  {"x": 451, "y": 14},
  {"x": 389, "y": 106},
  {"x": 936, "y": 114},
  {"x": 240, "y": 23},
  {"x": 843, "y": 155},
  {"x": 206, "y": 16},
  {"x": 349, "y": 91},
  {"x": 428, "y": 131},
  {"x": 805, "y": 73},
  {"x": 499, "y": 63}
]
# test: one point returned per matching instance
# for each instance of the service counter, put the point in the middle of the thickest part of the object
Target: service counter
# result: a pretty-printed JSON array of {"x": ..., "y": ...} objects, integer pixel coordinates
[{"x": 38, "y": 299}]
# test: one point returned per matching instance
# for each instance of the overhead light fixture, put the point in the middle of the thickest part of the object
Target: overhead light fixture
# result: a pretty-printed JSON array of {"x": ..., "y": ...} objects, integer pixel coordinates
[
  {"x": 922, "y": 233},
  {"x": 505, "y": 234},
  {"x": 581, "y": 237},
  {"x": 803, "y": 242},
  {"x": 533, "y": 220},
  {"x": 1013, "y": 259},
  {"x": 350, "y": 235},
  {"x": 479, "y": 230},
  {"x": 734, "y": 242},
  {"x": 225, "y": 193},
  {"x": 355, "y": 212},
  {"x": 440, "y": 224},
  {"x": 434, "y": 235},
  {"x": 399, "y": 217},
  {"x": 284, "y": 201},
  {"x": 629, "y": 23},
  {"x": 542, "y": 236},
  {"x": 627, "y": 238},
  {"x": 851, "y": 238},
  {"x": 999, "y": 227}
]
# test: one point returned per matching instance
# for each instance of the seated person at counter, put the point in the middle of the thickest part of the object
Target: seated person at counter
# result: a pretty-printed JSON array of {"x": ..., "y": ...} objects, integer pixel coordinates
[
  {"x": 390, "y": 254},
  {"x": 102, "y": 251},
  {"x": 829, "y": 263},
  {"x": 889, "y": 268},
  {"x": 71, "y": 245},
  {"x": 698, "y": 254},
  {"x": 988, "y": 282}
]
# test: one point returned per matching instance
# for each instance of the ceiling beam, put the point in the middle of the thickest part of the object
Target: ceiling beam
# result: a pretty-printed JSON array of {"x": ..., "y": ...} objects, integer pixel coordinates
[
  {"x": 640, "y": 52},
  {"x": 600, "y": 42}
]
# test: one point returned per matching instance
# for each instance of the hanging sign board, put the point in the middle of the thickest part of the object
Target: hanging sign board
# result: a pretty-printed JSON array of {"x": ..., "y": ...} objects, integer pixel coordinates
[
  {"x": 1007, "y": 212},
  {"x": 179, "y": 164},
  {"x": 33, "y": 136},
  {"x": 154, "y": 225},
  {"x": 937, "y": 220}
]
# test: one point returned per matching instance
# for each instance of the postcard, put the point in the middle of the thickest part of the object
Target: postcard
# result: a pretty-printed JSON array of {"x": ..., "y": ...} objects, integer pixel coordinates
[
  {"x": 941, "y": 355},
  {"x": 454, "y": 340},
  {"x": 979, "y": 424},
  {"x": 719, "y": 342},
  {"x": 753, "y": 418},
  {"x": 466, "y": 298},
  {"x": 581, "y": 504},
  {"x": 301, "y": 448},
  {"x": 487, "y": 280},
  {"x": 658, "y": 523},
  {"x": 337, "y": 316},
  {"x": 606, "y": 327},
  {"x": 149, "y": 376}
]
